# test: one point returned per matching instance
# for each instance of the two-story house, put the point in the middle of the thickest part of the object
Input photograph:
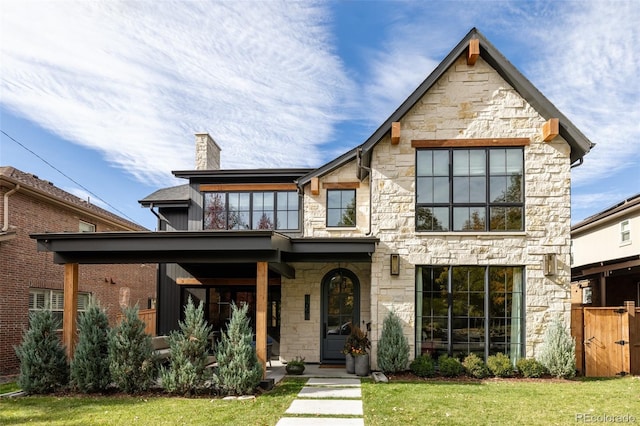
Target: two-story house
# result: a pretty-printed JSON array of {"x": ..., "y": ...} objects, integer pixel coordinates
[
  {"x": 29, "y": 281},
  {"x": 454, "y": 213},
  {"x": 605, "y": 256}
]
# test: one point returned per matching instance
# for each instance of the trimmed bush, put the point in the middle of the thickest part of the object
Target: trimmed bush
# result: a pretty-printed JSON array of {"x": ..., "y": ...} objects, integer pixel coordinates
[
  {"x": 422, "y": 366},
  {"x": 43, "y": 361},
  {"x": 558, "y": 353},
  {"x": 500, "y": 365},
  {"x": 131, "y": 360},
  {"x": 188, "y": 352},
  {"x": 530, "y": 367},
  {"x": 450, "y": 367},
  {"x": 393, "y": 346},
  {"x": 90, "y": 364},
  {"x": 475, "y": 366},
  {"x": 239, "y": 371}
]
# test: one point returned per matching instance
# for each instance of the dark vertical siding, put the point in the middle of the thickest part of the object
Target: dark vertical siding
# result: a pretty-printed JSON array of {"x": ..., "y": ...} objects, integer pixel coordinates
[
  {"x": 195, "y": 209},
  {"x": 169, "y": 304}
]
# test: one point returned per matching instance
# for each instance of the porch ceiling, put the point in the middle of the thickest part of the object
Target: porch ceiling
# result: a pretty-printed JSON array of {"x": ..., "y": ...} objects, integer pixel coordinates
[{"x": 193, "y": 247}]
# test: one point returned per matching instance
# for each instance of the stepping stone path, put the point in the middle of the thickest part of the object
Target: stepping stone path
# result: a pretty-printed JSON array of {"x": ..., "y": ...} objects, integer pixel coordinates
[{"x": 326, "y": 397}]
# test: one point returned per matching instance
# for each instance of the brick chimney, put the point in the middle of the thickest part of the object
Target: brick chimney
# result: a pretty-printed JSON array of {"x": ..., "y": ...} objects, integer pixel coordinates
[{"x": 207, "y": 152}]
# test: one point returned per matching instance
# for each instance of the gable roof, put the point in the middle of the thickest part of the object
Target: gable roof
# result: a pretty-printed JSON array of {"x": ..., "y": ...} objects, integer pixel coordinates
[
  {"x": 579, "y": 143},
  {"x": 624, "y": 207},
  {"x": 47, "y": 190}
]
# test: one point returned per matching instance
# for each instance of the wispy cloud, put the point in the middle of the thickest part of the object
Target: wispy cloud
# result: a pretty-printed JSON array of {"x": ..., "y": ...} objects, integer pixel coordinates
[
  {"x": 586, "y": 68},
  {"x": 135, "y": 80}
]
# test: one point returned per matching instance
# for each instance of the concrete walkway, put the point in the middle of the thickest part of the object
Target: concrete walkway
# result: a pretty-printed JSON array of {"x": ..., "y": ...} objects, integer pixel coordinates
[{"x": 326, "y": 396}]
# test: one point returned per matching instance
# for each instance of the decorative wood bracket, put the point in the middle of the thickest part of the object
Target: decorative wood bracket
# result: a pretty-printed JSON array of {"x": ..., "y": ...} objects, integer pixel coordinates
[
  {"x": 315, "y": 186},
  {"x": 395, "y": 133},
  {"x": 550, "y": 129},
  {"x": 474, "y": 51}
]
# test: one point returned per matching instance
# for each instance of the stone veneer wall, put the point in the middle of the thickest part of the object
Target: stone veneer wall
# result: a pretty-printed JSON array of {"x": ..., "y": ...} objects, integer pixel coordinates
[
  {"x": 472, "y": 102},
  {"x": 300, "y": 337},
  {"x": 467, "y": 102}
]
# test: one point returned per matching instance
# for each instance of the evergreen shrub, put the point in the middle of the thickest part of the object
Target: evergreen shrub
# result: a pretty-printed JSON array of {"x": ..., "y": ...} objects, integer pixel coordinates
[
  {"x": 530, "y": 367},
  {"x": 131, "y": 360},
  {"x": 239, "y": 370},
  {"x": 558, "y": 353},
  {"x": 189, "y": 353},
  {"x": 90, "y": 363},
  {"x": 449, "y": 366},
  {"x": 393, "y": 346},
  {"x": 500, "y": 365},
  {"x": 475, "y": 366},
  {"x": 43, "y": 361},
  {"x": 422, "y": 366}
]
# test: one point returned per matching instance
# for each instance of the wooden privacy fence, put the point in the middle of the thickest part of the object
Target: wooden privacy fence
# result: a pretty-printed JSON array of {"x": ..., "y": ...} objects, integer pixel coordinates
[
  {"x": 607, "y": 340},
  {"x": 149, "y": 318}
]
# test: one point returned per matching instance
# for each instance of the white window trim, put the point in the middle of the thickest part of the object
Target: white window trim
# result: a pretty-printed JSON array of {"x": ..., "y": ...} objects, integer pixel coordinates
[
  {"x": 625, "y": 228},
  {"x": 89, "y": 227},
  {"x": 53, "y": 300}
]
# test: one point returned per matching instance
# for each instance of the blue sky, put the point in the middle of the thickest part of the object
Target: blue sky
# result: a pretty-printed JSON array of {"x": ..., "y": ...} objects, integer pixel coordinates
[{"x": 111, "y": 92}]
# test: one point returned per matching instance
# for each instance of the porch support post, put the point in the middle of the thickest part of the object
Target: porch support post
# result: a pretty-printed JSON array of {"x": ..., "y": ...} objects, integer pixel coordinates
[
  {"x": 603, "y": 289},
  {"x": 262, "y": 283},
  {"x": 70, "y": 307}
]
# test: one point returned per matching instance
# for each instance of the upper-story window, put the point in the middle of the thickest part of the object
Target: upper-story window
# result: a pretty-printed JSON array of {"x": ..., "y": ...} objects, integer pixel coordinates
[
  {"x": 477, "y": 189},
  {"x": 251, "y": 210},
  {"x": 86, "y": 227},
  {"x": 341, "y": 207},
  {"x": 625, "y": 232}
]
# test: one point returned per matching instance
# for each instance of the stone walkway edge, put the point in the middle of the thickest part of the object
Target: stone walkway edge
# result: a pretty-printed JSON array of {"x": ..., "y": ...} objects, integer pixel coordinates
[{"x": 333, "y": 397}]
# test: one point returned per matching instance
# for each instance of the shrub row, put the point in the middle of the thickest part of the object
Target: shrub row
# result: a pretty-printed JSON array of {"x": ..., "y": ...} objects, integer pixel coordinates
[
  {"x": 123, "y": 357},
  {"x": 498, "y": 365}
]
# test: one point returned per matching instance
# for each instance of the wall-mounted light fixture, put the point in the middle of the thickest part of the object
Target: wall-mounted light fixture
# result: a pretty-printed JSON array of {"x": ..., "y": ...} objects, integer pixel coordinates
[
  {"x": 549, "y": 264},
  {"x": 307, "y": 307},
  {"x": 394, "y": 264}
]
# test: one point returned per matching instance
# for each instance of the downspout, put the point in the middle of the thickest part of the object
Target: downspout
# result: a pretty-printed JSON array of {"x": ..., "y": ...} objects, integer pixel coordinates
[
  {"x": 156, "y": 214},
  {"x": 368, "y": 169},
  {"x": 5, "y": 226}
]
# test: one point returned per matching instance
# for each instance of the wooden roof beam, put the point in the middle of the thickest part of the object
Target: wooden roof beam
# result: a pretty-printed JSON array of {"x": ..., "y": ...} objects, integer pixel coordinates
[
  {"x": 474, "y": 51},
  {"x": 550, "y": 129},
  {"x": 395, "y": 133}
]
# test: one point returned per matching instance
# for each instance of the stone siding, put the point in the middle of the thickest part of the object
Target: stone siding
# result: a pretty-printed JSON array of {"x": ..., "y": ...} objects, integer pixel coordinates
[{"x": 466, "y": 102}]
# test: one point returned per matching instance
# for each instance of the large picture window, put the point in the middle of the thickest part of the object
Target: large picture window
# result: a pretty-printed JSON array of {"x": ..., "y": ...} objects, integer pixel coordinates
[
  {"x": 469, "y": 309},
  {"x": 478, "y": 189},
  {"x": 251, "y": 210}
]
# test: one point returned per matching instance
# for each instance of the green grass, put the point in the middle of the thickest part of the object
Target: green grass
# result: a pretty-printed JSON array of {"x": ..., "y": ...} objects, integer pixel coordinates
[
  {"x": 8, "y": 387},
  {"x": 266, "y": 409},
  {"x": 433, "y": 402},
  {"x": 500, "y": 402}
]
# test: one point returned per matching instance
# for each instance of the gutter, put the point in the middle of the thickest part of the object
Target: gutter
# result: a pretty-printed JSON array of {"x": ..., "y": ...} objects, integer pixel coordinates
[{"x": 5, "y": 226}]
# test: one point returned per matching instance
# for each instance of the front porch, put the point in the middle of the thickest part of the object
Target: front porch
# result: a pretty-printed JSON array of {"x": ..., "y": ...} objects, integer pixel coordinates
[{"x": 198, "y": 260}]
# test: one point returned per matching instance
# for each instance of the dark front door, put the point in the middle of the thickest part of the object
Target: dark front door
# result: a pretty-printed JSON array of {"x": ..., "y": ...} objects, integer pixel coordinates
[{"x": 340, "y": 309}]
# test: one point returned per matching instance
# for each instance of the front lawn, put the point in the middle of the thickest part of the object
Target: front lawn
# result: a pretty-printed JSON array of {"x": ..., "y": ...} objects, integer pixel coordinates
[
  {"x": 500, "y": 402},
  {"x": 493, "y": 401}
]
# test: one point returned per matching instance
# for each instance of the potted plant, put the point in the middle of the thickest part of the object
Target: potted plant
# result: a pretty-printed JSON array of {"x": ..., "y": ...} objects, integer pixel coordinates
[
  {"x": 355, "y": 349},
  {"x": 295, "y": 366}
]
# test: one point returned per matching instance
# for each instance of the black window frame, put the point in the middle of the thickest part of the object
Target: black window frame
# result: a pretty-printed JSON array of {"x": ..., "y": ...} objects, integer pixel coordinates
[
  {"x": 433, "y": 210},
  {"x": 342, "y": 208},
  {"x": 252, "y": 210}
]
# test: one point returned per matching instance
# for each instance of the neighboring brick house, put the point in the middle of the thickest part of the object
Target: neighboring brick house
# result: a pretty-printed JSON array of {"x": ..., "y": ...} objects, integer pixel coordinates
[
  {"x": 454, "y": 213},
  {"x": 30, "y": 280}
]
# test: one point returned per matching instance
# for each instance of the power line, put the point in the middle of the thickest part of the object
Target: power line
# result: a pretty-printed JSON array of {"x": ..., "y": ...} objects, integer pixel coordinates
[{"x": 68, "y": 177}]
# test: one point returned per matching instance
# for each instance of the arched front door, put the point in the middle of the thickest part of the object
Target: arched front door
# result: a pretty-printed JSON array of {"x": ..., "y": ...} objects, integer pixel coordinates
[{"x": 340, "y": 309}]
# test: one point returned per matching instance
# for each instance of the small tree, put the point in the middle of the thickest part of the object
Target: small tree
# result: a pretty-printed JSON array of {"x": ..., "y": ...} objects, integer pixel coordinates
[
  {"x": 558, "y": 353},
  {"x": 43, "y": 362},
  {"x": 90, "y": 364},
  {"x": 188, "y": 352},
  {"x": 131, "y": 360},
  {"x": 239, "y": 370},
  {"x": 393, "y": 347}
]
